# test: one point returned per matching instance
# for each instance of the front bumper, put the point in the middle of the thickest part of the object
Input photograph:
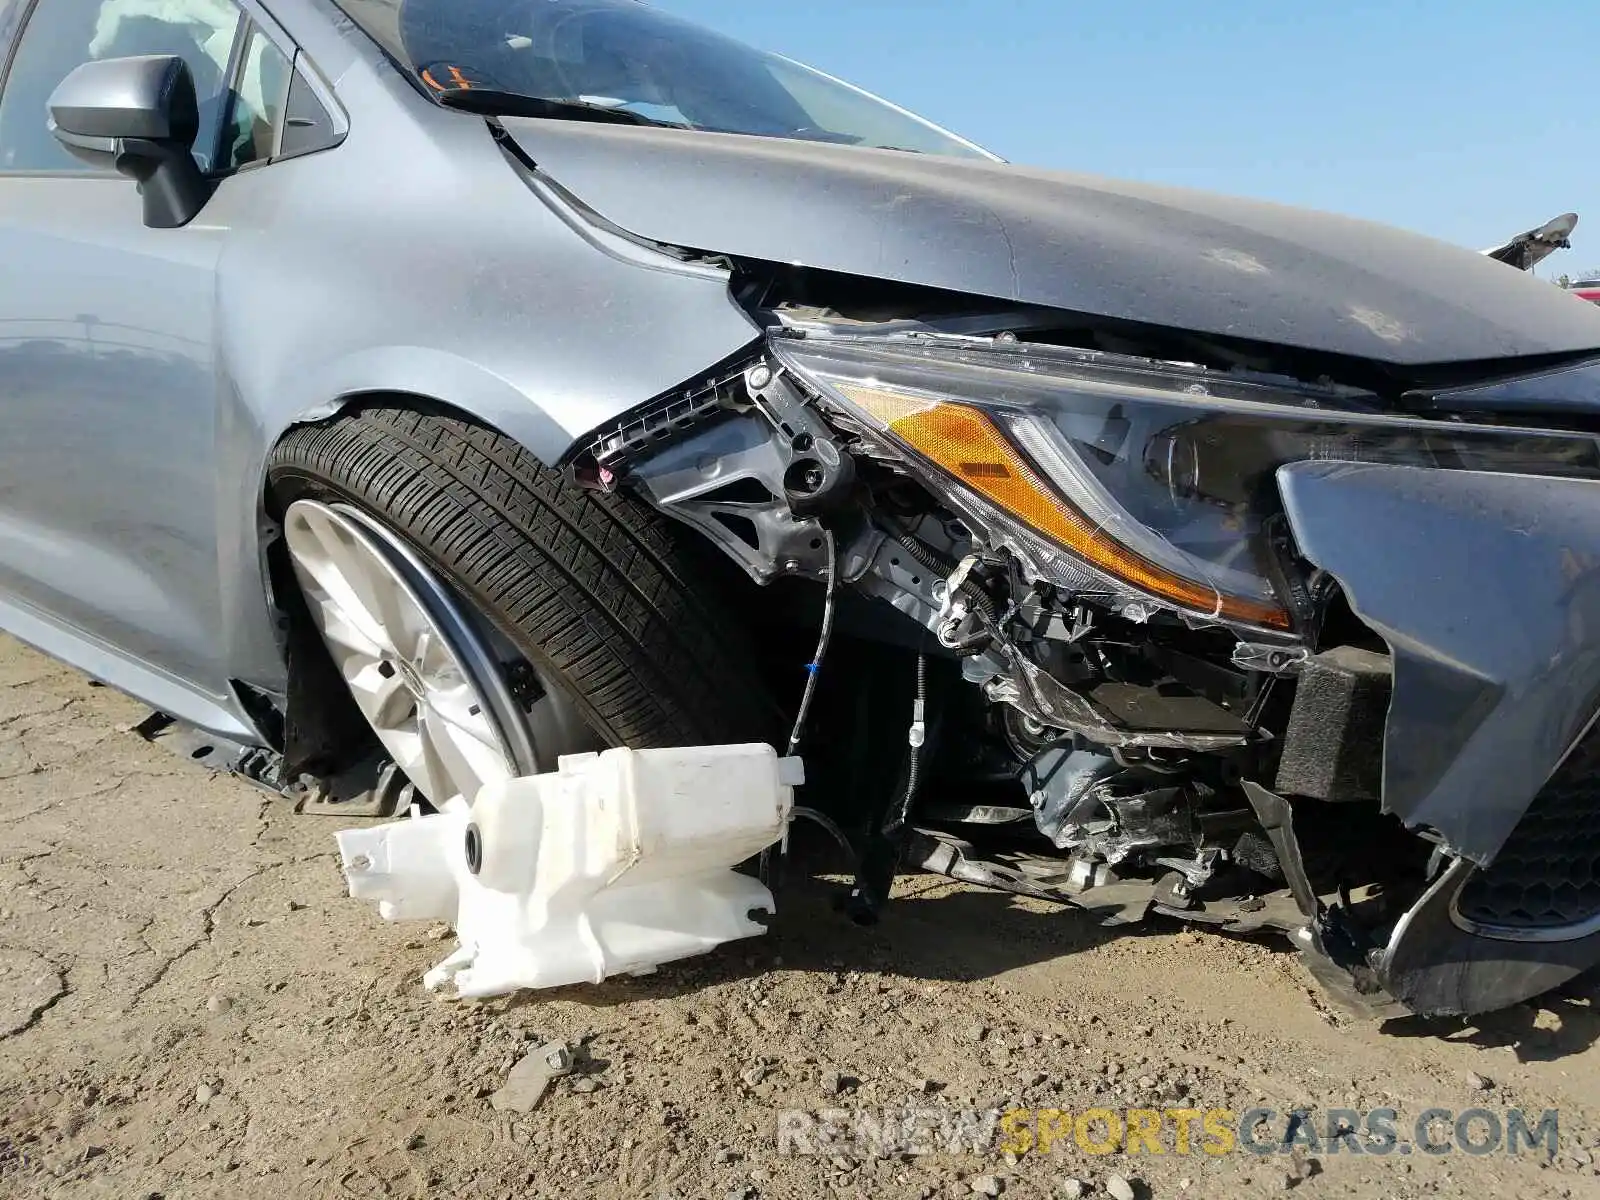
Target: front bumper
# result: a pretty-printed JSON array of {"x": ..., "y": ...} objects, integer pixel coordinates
[{"x": 1486, "y": 588}]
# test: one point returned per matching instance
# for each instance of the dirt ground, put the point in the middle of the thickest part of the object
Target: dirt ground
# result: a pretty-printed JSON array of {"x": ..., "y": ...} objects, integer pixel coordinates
[{"x": 190, "y": 1006}]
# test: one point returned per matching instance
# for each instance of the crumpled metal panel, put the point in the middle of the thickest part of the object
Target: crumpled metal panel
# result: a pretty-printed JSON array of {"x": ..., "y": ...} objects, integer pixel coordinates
[
  {"x": 1130, "y": 251},
  {"x": 1487, "y": 589}
]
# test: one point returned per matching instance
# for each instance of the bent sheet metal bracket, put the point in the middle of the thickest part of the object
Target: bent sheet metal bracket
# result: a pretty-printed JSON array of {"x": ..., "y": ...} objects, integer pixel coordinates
[
  {"x": 1333, "y": 951},
  {"x": 1277, "y": 819},
  {"x": 613, "y": 864},
  {"x": 1487, "y": 589}
]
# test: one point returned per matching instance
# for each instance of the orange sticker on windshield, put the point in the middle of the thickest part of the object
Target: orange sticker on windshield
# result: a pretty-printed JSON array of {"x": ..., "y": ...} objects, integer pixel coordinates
[{"x": 457, "y": 79}]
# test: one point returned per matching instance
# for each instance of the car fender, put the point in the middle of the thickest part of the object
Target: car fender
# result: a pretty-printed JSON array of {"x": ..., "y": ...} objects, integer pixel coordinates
[{"x": 420, "y": 258}]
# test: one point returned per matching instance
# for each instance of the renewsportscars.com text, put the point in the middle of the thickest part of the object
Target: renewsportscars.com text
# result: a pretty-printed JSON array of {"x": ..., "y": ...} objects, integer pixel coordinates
[{"x": 888, "y": 1132}]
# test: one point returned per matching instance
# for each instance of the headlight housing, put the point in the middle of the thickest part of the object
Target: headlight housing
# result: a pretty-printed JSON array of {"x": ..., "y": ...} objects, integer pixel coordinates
[{"x": 1152, "y": 483}]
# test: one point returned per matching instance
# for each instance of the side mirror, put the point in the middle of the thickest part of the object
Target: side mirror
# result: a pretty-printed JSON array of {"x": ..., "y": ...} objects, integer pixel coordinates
[{"x": 142, "y": 112}]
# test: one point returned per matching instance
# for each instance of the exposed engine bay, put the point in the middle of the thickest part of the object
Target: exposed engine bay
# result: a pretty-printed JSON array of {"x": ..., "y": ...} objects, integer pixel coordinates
[{"x": 1162, "y": 663}]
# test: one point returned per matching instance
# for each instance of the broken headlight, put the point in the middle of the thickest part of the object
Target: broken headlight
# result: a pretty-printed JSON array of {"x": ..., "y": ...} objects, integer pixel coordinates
[{"x": 1148, "y": 482}]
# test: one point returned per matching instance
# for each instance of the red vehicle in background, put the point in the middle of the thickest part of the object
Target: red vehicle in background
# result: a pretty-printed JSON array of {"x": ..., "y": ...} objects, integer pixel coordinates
[{"x": 1586, "y": 289}]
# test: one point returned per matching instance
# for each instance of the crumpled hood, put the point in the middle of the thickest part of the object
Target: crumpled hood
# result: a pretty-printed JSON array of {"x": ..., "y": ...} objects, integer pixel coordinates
[{"x": 1156, "y": 255}]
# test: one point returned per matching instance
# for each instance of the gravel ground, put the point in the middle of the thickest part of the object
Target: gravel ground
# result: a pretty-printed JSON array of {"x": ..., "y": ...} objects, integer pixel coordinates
[{"x": 190, "y": 1006}]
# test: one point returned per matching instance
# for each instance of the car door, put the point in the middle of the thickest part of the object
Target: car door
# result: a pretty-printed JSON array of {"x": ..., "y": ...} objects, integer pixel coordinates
[{"x": 108, "y": 372}]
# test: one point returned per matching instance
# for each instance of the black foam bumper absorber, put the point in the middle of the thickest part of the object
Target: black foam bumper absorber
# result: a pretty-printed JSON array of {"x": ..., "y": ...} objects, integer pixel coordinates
[{"x": 1333, "y": 749}]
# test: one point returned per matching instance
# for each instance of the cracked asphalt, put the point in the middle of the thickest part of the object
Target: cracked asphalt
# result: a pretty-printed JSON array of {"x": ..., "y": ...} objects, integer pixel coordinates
[{"x": 191, "y": 1007}]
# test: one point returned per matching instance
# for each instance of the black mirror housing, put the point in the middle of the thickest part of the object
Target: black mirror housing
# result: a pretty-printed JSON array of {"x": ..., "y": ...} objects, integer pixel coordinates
[{"x": 143, "y": 112}]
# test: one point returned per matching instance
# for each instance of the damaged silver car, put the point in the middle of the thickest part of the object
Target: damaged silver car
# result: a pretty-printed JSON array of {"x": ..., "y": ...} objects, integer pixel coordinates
[{"x": 400, "y": 395}]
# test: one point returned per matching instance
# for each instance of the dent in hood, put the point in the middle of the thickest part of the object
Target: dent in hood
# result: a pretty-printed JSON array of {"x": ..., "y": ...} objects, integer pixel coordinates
[{"x": 1137, "y": 252}]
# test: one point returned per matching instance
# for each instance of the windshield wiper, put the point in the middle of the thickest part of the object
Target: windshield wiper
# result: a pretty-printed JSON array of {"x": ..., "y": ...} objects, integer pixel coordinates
[{"x": 493, "y": 103}]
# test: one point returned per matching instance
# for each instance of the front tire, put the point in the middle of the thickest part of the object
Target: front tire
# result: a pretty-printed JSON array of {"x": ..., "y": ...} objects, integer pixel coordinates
[{"x": 604, "y": 597}]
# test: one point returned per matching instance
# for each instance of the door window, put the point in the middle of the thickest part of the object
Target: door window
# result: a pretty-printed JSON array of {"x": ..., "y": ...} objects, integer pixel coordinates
[
  {"x": 260, "y": 97},
  {"x": 63, "y": 34}
]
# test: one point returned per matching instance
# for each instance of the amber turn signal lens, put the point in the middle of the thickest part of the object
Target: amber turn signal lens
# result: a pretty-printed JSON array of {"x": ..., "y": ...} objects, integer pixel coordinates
[{"x": 964, "y": 442}]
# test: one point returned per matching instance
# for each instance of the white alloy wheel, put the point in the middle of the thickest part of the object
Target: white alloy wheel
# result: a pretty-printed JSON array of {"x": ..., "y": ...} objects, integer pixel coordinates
[{"x": 417, "y": 669}]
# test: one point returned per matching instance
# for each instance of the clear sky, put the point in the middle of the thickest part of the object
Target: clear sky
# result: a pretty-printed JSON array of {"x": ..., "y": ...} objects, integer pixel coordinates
[{"x": 1472, "y": 120}]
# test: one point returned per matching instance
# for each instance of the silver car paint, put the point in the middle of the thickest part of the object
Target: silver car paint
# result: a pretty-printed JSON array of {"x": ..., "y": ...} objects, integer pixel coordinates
[
  {"x": 163, "y": 365},
  {"x": 415, "y": 258},
  {"x": 1163, "y": 256},
  {"x": 108, "y": 514}
]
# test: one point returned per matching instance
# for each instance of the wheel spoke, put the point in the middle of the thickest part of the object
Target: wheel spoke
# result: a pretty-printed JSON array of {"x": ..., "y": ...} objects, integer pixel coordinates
[
  {"x": 433, "y": 660},
  {"x": 408, "y": 750},
  {"x": 465, "y": 753},
  {"x": 459, "y": 708},
  {"x": 382, "y": 695},
  {"x": 441, "y": 763},
  {"x": 338, "y": 629},
  {"x": 320, "y": 552},
  {"x": 395, "y": 653},
  {"x": 376, "y": 590}
]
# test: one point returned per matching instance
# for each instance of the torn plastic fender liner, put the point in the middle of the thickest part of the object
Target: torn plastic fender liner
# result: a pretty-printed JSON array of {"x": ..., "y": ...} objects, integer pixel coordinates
[
  {"x": 1487, "y": 589},
  {"x": 612, "y": 864}
]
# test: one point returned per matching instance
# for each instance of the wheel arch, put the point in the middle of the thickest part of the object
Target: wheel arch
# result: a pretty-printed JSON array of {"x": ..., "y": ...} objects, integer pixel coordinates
[
  {"x": 431, "y": 376},
  {"x": 418, "y": 376}
]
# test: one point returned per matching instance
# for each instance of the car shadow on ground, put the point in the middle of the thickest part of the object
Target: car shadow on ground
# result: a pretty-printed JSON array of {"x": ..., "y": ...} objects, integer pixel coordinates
[
  {"x": 1554, "y": 1026},
  {"x": 934, "y": 931}
]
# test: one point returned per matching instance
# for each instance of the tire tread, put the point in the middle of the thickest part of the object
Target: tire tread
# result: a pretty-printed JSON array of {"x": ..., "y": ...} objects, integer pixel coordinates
[{"x": 601, "y": 589}]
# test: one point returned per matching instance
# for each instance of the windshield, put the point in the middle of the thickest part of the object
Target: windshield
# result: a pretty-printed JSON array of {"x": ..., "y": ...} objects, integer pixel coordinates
[{"x": 625, "y": 55}]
